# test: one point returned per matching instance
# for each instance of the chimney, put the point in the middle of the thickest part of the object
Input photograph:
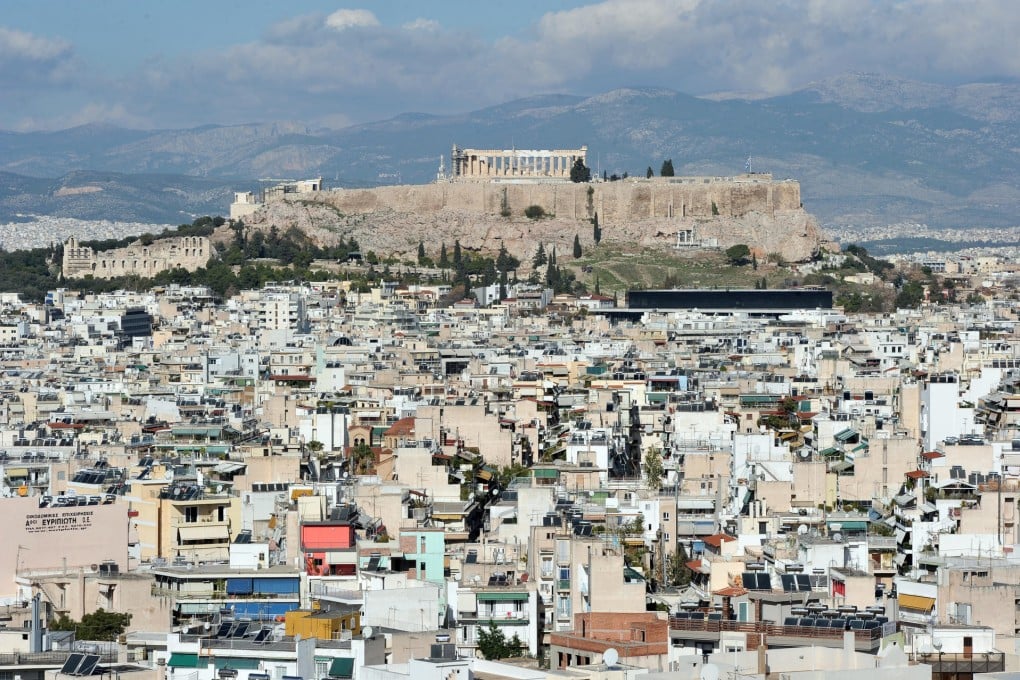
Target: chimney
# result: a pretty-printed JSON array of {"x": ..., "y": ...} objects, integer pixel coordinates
[{"x": 849, "y": 642}]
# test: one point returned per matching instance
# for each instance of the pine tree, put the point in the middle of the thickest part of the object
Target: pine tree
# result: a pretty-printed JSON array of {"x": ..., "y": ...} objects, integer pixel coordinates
[
  {"x": 596, "y": 229},
  {"x": 577, "y": 247},
  {"x": 580, "y": 172},
  {"x": 421, "y": 252},
  {"x": 444, "y": 260},
  {"x": 667, "y": 168},
  {"x": 505, "y": 261},
  {"x": 648, "y": 173},
  {"x": 540, "y": 257},
  {"x": 457, "y": 257}
]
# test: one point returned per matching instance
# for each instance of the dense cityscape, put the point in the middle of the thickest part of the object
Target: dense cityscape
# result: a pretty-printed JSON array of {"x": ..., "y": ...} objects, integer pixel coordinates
[{"x": 464, "y": 341}]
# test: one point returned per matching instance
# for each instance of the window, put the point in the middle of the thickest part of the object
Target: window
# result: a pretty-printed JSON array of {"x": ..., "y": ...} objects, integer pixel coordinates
[
  {"x": 191, "y": 514},
  {"x": 665, "y": 517}
]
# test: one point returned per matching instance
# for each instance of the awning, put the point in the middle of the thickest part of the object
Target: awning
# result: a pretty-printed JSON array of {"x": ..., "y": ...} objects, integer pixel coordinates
[
  {"x": 341, "y": 668},
  {"x": 845, "y": 435},
  {"x": 917, "y": 603},
  {"x": 216, "y": 532},
  {"x": 179, "y": 660},
  {"x": 237, "y": 663},
  {"x": 501, "y": 597},
  {"x": 17, "y": 472},
  {"x": 227, "y": 467},
  {"x": 239, "y": 586}
]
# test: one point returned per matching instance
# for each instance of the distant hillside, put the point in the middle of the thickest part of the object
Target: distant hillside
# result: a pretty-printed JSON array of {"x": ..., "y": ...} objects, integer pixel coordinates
[
  {"x": 90, "y": 195},
  {"x": 867, "y": 149}
]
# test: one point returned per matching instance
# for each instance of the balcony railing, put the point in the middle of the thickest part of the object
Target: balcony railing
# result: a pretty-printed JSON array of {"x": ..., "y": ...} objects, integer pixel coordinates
[
  {"x": 958, "y": 664},
  {"x": 866, "y": 638}
]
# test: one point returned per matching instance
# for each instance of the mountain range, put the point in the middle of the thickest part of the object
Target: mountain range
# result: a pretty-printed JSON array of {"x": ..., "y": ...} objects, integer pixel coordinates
[{"x": 868, "y": 150}]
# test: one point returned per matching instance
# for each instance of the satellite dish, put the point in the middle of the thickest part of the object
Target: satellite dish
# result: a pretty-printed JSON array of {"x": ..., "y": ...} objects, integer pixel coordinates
[
  {"x": 367, "y": 631},
  {"x": 610, "y": 657},
  {"x": 802, "y": 529},
  {"x": 709, "y": 671},
  {"x": 837, "y": 536},
  {"x": 476, "y": 578}
]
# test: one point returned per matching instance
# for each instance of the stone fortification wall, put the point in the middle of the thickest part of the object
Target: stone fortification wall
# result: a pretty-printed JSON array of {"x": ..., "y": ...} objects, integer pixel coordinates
[
  {"x": 188, "y": 252},
  {"x": 665, "y": 198},
  {"x": 752, "y": 209}
]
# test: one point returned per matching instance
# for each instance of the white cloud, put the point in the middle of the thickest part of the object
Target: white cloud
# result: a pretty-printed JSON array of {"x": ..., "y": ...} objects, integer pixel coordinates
[
  {"x": 343, "y": 19},
  {"x": 422, "y": 24},
  {"x": 29, "y": 60},
  {"x": 26, "y": 46},
  {"x": 348, "y": 65}
]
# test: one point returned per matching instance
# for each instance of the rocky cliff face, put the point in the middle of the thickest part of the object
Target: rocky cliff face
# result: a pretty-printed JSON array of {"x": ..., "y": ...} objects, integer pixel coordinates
[{"x": 394, "y": 219}]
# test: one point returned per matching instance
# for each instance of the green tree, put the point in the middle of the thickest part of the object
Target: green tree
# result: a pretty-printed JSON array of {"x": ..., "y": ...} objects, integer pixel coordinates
[
  {"x": 580, "y": 172},
  {"x": 362, "y": 459},
  {"x": 677, "y": 572},
  {"x": 540, "y": 257},
  {"x": 444, "y": 259},
  {"x": 715, "y": 208},
  {"x": 653, "y": 468},
  {"x": 648, "y": 173},
  {"x": 534, "y": 212},
  {"x": 421, "y": 252},
  {"x": 738, "y": 254},
  {"x": 596, "y": 229},
  {"x": 458, "y": 257},
  {"x": 577, "y": 247},
  {"x": 636, "y": 526},
  {"x": 667, "y": 168},
  {"x": 493, "y": 645},
  {"x": 911, "y": 295},
  {"x": 99, "y": 625},
  {"x": 505, "y": 261}
]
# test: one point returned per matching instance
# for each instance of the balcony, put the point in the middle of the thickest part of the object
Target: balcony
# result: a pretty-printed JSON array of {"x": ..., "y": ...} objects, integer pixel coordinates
[
  {"x": 959, "y": 665},
  {"x": 511, "y": 618},
  {"x": 782, "y": 636}
]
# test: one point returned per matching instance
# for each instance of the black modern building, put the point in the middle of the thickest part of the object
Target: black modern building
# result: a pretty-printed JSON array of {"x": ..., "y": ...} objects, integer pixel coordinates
[
  {"x": 731, "y": 299},
  {"x": 722, "y": 301},
  {"x": 136, "y": 323}
]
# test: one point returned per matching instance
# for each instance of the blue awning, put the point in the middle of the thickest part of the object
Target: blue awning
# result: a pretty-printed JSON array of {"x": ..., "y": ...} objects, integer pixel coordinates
[
  {"x": 239, "y": 586},
  {"x": 262, "y": 611},
  {"x": 276, "y": 586}
]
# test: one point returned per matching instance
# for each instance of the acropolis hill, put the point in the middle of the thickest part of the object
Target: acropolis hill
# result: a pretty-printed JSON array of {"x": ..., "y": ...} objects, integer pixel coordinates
[{"x": 486, "y": 210}]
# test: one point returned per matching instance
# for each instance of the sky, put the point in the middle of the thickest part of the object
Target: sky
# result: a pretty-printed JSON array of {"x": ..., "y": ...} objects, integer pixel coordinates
[{"x": 187, "y": 63}]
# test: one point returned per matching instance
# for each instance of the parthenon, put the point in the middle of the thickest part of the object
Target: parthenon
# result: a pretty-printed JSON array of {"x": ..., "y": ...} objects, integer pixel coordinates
[{"x": 489, "y": 164}]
